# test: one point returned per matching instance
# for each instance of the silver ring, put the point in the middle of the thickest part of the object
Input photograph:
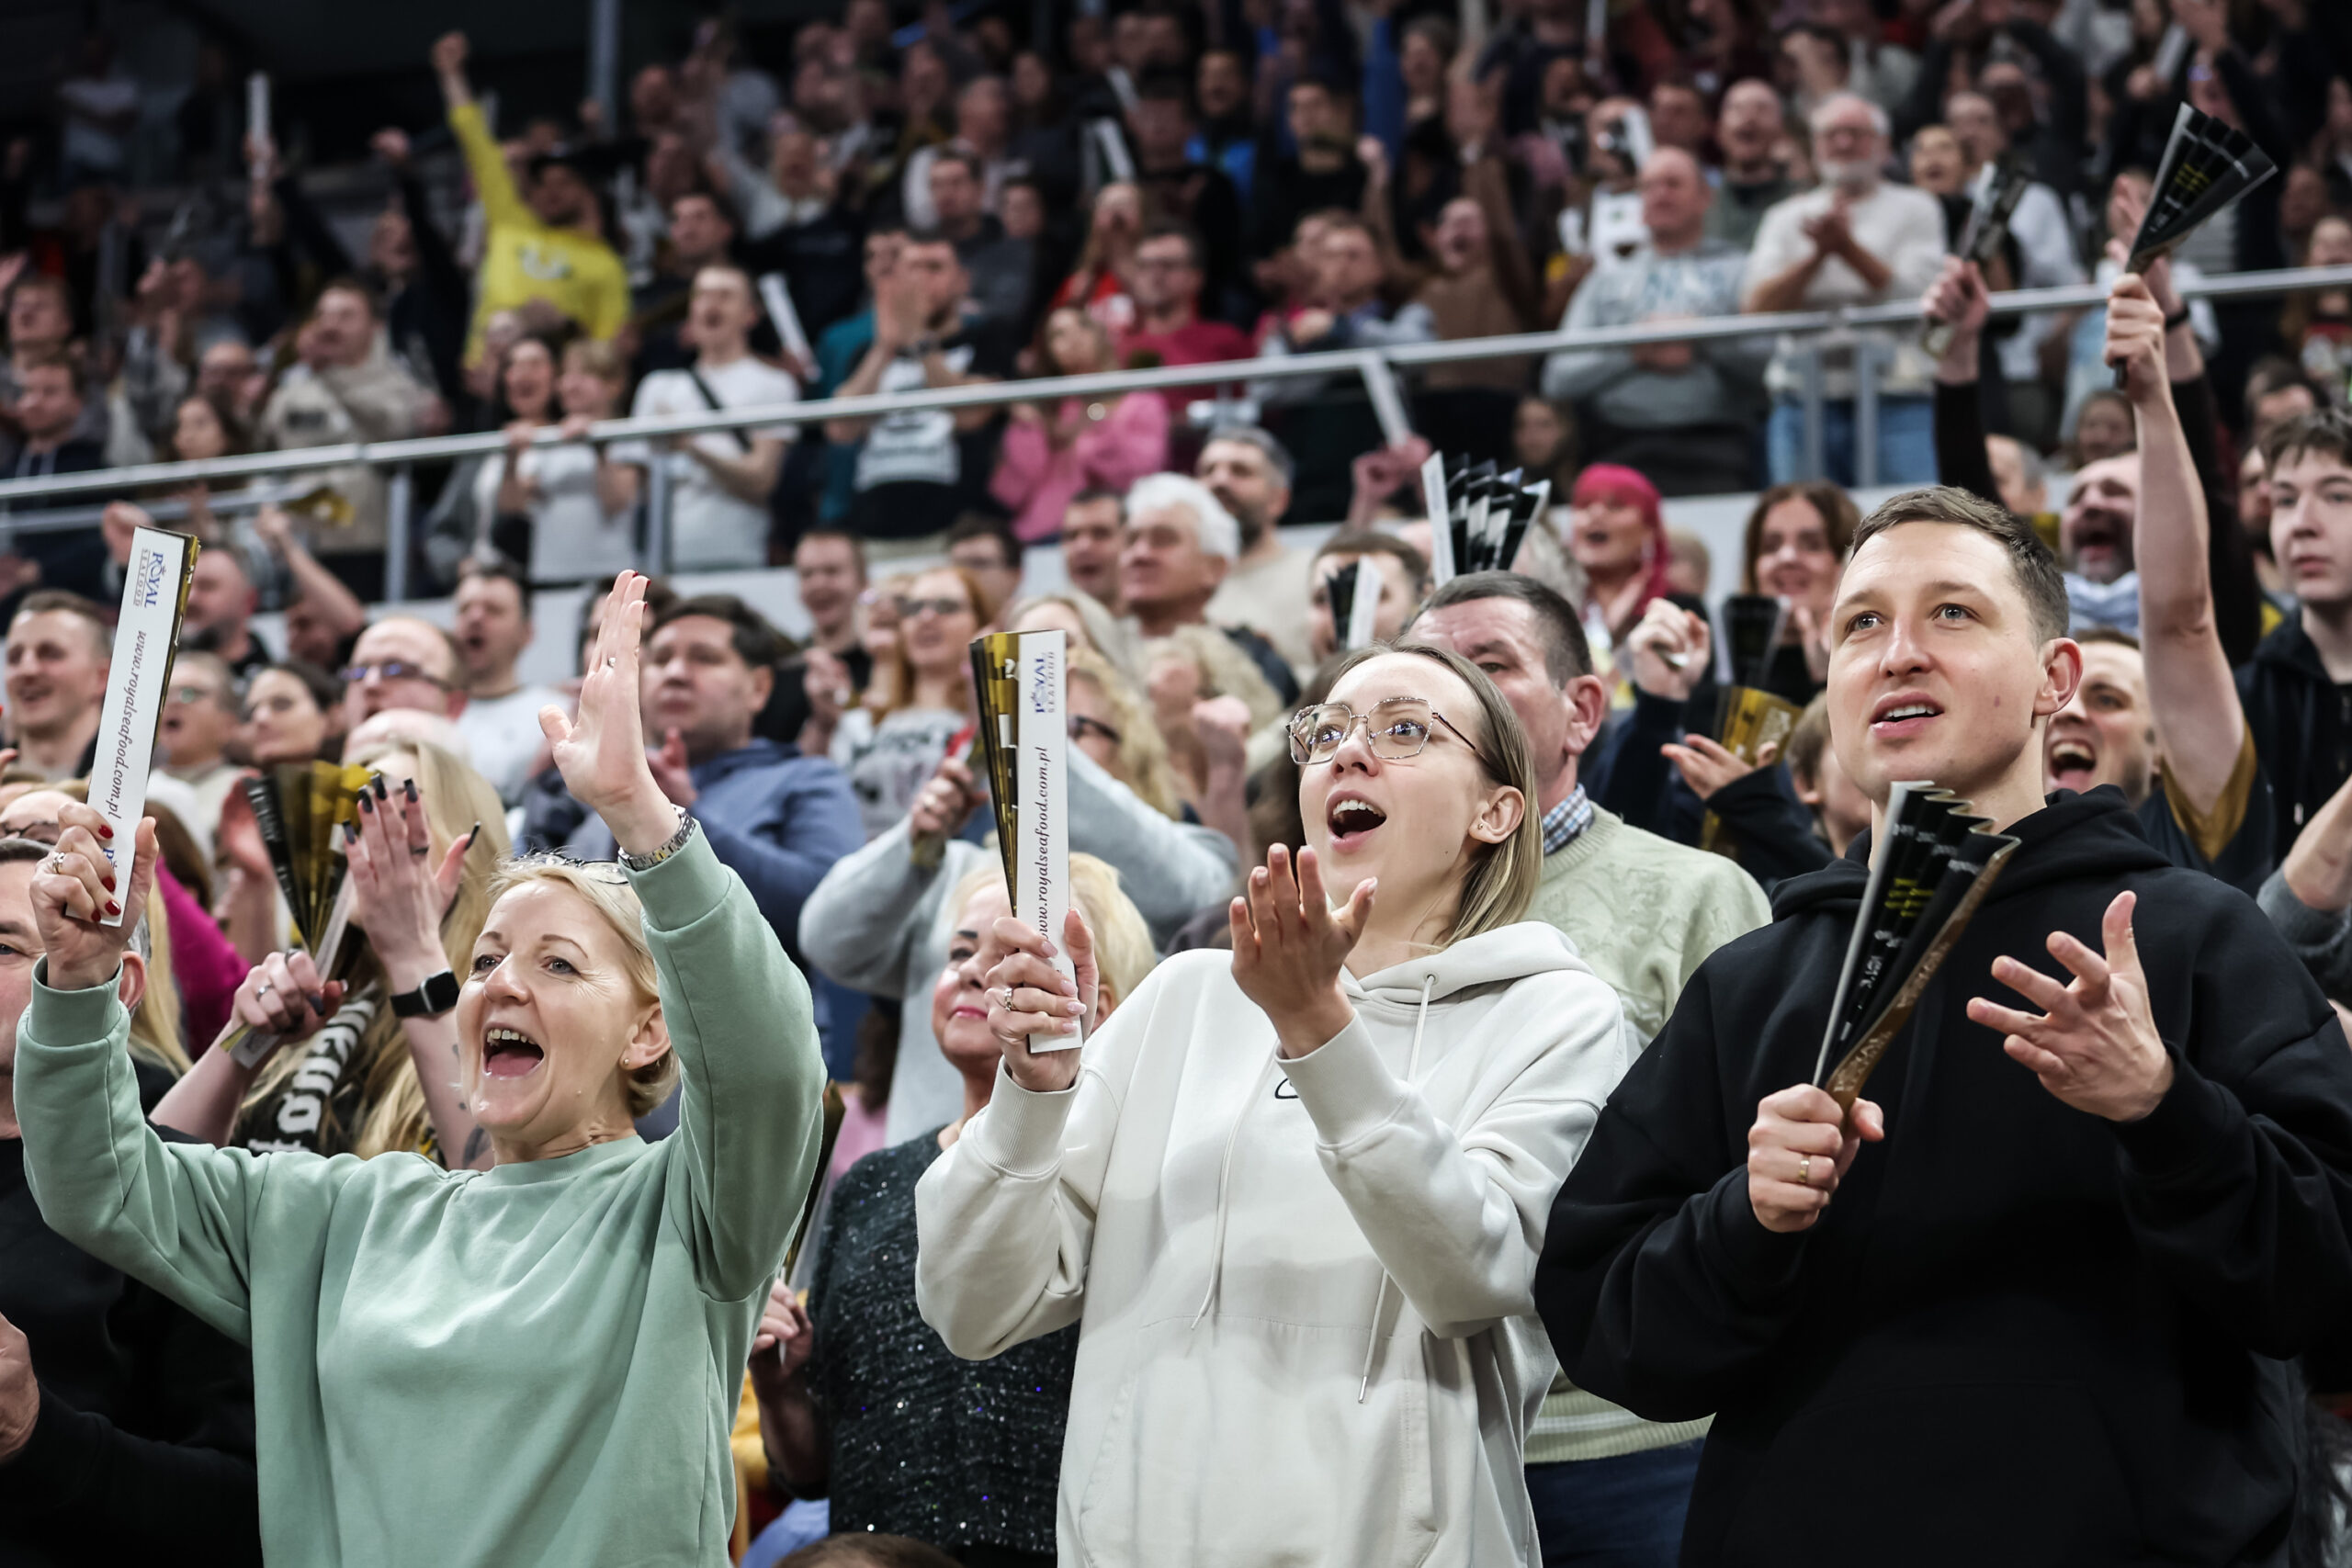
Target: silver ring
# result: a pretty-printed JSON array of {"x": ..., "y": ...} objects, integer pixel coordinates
[
  {"x": 261, "y": 990},
  {"x": 419, "y": 853},
  {"x": 611, "y": 662}
]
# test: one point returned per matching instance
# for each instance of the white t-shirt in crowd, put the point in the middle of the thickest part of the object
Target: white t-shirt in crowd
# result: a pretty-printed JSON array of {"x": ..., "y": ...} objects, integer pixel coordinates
[
  {"x": 710, "y": 529},
  {"x": 503, "y": 735},
  {"x": 1904, "y": 228},
  {"x": 572, "y": 537}
]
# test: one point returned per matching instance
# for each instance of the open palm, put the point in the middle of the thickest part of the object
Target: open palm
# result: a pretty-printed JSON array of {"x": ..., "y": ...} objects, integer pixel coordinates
[{"x": 601, "y": 750}]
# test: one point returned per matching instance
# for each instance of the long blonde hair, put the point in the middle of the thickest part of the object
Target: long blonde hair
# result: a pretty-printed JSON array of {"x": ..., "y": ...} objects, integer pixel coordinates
[
  {"x": 392, "y": 1115},
  {"x": 1143, "y": 751}
]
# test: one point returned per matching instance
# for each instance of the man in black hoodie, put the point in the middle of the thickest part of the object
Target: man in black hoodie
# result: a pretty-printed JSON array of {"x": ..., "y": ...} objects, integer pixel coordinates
[
  {"x": 2095, "y": 1203},
  {"x": 2298, "y": 688},
  {"x": 126, "y": 1426}
]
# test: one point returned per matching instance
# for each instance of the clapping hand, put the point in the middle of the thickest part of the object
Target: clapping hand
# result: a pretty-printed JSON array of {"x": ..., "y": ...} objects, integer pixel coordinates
[
  {"x": 1028, "y": 996},
  {"x": 2095, "y": 1043},
  {"x": 601, "y": 752},
  {"x": 397, "y": 896},
  {"x": 75, "y": 887},
  {"x": 1289, "y": 946}
]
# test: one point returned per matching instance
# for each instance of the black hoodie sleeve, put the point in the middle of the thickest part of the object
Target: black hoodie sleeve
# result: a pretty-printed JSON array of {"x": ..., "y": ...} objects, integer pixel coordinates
[
  {"x": 1659, "y": 1287},
  {"x": 2239, "y": 1184},
  {"x": 1961, "y": 458},
  {"x": 1772, "y": 828}
]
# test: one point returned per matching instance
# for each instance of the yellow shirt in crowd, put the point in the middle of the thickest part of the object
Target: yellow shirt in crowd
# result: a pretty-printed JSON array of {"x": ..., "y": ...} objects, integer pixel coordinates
[{"x": 524, "y": 259}]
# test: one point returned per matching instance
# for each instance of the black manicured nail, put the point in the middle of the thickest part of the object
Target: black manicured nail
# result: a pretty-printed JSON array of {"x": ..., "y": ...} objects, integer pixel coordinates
[
  {"x": 381, "y": 791},
  {"x": 367, "y": 801},
  {"x": 472, "y": 836},
  {"x": 350, "y": 833},
  {"x": 409, "y": 785}
]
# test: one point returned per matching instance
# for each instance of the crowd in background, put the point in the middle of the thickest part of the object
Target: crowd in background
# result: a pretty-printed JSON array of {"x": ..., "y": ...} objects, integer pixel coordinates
[{"x": 1168, "y": 185}]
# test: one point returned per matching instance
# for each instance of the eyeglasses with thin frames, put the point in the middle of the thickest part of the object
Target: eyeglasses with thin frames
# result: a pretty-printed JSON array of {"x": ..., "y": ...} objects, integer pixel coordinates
[
  {"x": 1397, "y": 730},
  {"x": 390, "y": 670}
]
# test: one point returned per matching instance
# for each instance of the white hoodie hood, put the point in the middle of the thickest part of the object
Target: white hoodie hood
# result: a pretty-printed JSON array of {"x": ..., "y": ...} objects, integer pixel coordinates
[{"x": 1304, "y": 1288}]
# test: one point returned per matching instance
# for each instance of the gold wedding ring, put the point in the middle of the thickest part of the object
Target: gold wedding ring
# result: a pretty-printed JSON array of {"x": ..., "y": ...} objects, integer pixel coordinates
[{"x": 1805, "y": 1170}]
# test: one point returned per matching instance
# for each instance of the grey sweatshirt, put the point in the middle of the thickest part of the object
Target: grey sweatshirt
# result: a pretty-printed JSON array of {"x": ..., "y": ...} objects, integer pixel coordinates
[
  {"x": 2321, "y": 938},
  {"x": 877, "y": 922}
]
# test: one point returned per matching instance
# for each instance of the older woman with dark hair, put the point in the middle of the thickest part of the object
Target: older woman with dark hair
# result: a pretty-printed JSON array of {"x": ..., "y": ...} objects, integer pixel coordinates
[{"x": 536, "y": 1362}]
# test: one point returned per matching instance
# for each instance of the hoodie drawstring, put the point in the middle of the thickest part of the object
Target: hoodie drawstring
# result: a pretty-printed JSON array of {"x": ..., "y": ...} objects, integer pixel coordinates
[
  {"x": 1380, "y": 1298},
  {"x": 1224, "y": 1176}
]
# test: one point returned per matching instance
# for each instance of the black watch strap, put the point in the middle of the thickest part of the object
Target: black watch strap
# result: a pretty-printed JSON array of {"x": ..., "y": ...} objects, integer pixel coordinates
[{"x": 435, "y": 997}]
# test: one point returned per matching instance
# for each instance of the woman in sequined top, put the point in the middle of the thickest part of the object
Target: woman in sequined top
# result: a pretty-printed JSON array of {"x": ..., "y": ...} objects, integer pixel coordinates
[{"x": 859, "y": 1398}]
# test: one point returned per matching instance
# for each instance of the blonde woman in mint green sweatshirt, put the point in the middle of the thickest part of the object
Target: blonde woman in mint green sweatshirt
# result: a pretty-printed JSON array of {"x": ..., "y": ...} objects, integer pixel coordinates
[{"x": 537, "y": 1363}]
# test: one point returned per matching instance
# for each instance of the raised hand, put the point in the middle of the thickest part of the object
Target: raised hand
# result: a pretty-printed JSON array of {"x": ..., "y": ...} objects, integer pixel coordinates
[
  {"x": 1028, "y": 996},
  {"x": 1669, "y": 649},
  {"x": 75, "y": 888},
  {"x": 601, "y": 752},
  {"x": 947, "y": 798},
  {"x": 1798, "y": 1151},
  {"x": 1289, "y": 946},
  {"x": 398, "y": 895},
  {"x": 2095, "y": 1043}
]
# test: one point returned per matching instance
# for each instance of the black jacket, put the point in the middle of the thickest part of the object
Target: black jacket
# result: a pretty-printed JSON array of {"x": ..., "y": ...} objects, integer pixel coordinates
[
  {"x": 2303, "y": 727},
  {"x": 145, "y": 1448},
  {"x": 2021, "y": 1334}
]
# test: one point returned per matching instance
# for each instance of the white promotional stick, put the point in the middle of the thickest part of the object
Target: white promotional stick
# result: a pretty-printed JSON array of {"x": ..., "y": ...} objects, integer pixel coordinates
[
  {"x": 1041, "y": 860},
  {"x": 1440, "y": 512},
  {"x": 1364, "y": 610},
  {"x": 257, "y": 120},
  {"x": 1115, "y": 162},
  {"x": 154, "y": 589},
  {"x": 778, "y": 298}
]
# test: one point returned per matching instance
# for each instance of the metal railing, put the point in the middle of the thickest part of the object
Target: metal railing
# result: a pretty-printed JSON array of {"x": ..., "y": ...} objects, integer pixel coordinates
[{"x": 1376, "y": 369}]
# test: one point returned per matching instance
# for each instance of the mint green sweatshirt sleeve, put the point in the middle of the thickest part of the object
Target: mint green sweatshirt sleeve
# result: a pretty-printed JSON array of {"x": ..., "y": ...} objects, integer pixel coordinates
[
  {"x": 751, "y": 1115},
  {"x": 179, "y": 1216}
]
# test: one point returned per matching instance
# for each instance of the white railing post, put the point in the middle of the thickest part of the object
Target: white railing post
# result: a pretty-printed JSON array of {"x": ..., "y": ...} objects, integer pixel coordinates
[{"x": 399, "y": 509}]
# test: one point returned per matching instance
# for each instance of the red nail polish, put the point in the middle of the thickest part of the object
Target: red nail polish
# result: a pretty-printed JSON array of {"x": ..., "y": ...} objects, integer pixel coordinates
[
  {"x": 113, "y": 908},
  {"x": 105, "y": 831}
]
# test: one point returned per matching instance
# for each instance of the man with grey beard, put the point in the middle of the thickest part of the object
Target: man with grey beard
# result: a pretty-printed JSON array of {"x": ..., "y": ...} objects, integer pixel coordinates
[{"x": 1853, "y": 240}]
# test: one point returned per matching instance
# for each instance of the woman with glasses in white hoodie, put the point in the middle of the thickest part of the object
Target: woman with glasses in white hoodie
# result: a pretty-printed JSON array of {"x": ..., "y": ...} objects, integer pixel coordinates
[{"x": 1293, "y": 1196}]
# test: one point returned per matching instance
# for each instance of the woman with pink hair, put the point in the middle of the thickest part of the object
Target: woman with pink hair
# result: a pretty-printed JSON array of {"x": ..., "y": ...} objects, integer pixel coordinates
[{"x": 1618, "y": 536}]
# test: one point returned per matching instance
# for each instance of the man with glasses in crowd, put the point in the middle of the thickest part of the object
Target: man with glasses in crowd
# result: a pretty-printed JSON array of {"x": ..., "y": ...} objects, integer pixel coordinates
[
  {"x": 400, "y": 661},
  {"x": 200, "y": 717}
]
